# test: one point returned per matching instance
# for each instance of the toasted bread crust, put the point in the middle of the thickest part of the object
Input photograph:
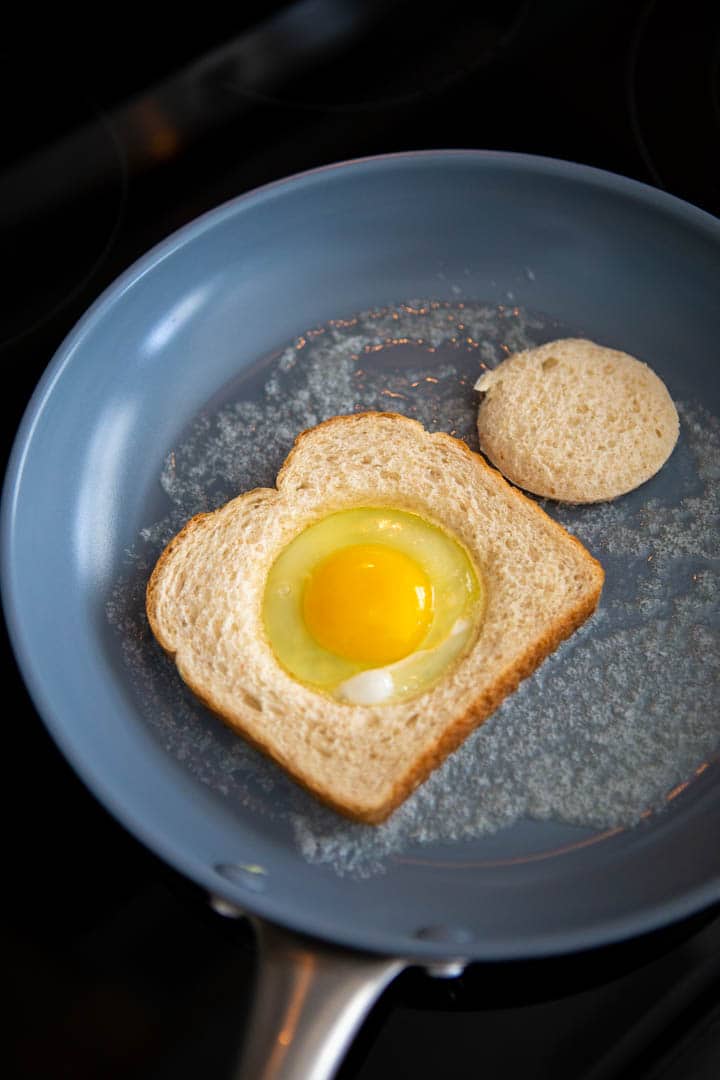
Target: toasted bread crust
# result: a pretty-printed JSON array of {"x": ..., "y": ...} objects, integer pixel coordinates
[
  {"x": 484, "y": 707},
  {"x": 152, "y": 589},
  {"x": 453, "y": 730}
]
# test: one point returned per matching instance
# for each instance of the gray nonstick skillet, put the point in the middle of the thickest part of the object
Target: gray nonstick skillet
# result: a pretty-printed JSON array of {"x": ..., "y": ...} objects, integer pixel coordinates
[{"x": 182, "y": 331}]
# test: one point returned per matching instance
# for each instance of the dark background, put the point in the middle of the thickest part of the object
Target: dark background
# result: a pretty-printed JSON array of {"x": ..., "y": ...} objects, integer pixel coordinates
[{"x": 115, "y": 132}]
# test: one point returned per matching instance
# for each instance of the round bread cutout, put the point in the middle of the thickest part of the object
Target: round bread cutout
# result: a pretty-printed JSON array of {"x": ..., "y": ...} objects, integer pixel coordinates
[{"x": 575, "y": 421}]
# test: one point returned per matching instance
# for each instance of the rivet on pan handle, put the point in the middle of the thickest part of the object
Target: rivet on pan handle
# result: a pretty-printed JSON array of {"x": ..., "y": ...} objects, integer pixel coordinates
[{"x": 310, "y": 1000}]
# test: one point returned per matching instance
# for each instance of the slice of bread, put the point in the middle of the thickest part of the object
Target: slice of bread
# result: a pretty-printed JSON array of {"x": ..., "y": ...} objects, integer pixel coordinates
[
  {"x": 575, "y": 421},
  {"x": 205, "y": 596}
]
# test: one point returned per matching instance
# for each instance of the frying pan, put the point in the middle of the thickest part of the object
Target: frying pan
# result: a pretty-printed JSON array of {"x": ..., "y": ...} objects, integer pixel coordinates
[{"x": 629, "y": 266}]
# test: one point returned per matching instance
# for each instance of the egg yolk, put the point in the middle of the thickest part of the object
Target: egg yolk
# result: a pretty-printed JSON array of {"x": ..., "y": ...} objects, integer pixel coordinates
[{"x": 368, "y": 603}]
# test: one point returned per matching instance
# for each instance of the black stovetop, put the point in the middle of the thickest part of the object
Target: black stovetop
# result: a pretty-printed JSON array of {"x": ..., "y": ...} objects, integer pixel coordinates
[{"x": 116, "y": 134}]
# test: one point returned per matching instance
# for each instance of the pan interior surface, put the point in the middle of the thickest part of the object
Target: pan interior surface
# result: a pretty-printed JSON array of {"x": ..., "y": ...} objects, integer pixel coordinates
[{"x": 205, "y": 319}]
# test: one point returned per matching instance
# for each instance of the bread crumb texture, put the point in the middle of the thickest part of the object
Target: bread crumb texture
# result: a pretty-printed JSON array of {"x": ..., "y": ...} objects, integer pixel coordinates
[
  {"x": 575, "y": 421},
  {"x": 204, "y": 604}
]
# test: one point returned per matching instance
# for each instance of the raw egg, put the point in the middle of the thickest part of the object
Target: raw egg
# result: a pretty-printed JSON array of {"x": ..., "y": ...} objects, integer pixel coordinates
[{"x": 372, "y": 604}]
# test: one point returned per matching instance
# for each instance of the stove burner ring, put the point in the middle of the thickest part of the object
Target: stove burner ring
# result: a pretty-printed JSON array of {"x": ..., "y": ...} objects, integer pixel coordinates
[
  {"x": 673, "y": 98},
  {"x": 61, "y": 209}
]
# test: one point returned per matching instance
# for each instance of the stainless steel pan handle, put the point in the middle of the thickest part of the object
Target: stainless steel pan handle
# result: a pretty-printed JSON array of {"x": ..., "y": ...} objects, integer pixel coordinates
[{"x": 310, "y": 1000}]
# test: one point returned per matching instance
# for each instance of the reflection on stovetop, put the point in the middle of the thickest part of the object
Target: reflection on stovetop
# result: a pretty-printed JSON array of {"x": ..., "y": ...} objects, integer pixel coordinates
[{"x": 112, "y": 138}]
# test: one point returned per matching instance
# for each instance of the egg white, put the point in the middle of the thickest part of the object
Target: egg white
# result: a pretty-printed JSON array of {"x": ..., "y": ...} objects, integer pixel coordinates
[{"x": 459, "y": 604}]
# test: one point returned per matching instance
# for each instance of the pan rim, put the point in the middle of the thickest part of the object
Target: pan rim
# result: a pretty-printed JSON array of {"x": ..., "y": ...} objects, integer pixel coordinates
[{"x": 552, "y": 944}]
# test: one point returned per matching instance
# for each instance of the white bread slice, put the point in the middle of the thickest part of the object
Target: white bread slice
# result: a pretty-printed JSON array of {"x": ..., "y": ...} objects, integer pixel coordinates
[
  {"x": 205, "y": 595},
  {"x": 575, "y": 421}
]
